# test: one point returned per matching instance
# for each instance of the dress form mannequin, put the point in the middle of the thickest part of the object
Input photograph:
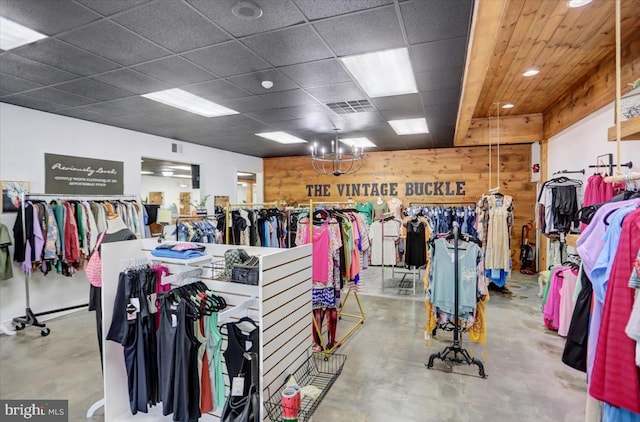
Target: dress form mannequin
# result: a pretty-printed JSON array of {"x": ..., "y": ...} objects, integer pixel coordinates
[
  {"x": 395, "y": 206},
  {"x": 379, "y": 200},
  {"x": 115, "y": 224}
]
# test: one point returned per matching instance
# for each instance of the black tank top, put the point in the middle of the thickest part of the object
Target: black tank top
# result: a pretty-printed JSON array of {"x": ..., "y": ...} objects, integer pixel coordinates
[{"x": 237, "y": 365}]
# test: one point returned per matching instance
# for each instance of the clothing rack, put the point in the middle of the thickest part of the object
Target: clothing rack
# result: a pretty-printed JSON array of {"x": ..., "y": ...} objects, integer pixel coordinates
[
  {"x": 30, "y": 319},
  {"x": 290, "y": 212},
  {"x": 628, "y": 164},
  {"x": 456, "y": 348},
  {"x": 358, "y": 318},
  {"x": 571, "y": 171},
  {"x": 188, "y": 218},
  {"x": 441, "y": 204},
  {"x": 384, "y": 219},
  {"x": 233, "y": 207}
]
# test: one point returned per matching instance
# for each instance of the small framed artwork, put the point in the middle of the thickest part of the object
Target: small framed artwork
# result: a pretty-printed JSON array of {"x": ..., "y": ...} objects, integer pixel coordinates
[{"x": 11, "y": 194}]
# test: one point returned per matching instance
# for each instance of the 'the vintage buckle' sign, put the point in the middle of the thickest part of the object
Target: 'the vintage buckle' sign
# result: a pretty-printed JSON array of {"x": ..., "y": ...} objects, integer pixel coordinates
[
  {"x": 66, "y": 174},
  {"x": 388, "y": 189}
]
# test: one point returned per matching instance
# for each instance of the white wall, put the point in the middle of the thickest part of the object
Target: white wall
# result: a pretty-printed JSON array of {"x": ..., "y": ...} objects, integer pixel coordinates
[
  {"x": 578, "y": 146},
  {"x": 26, "y": 135},
  {"x": 172, "y": 187}
]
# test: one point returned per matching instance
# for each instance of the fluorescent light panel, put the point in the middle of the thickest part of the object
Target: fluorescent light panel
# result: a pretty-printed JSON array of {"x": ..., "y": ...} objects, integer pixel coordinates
[
  {"x": 146, "y": 172},
  {"x": 410, "y": 126},
  {"x": 358, "y": 142},
  {"x": 244, "y": 174},
  {"x": 14, "y": 35},
  {"x": 182, "y": 176},
  {"x": 184, "y": 100},
  {"x": 281, "y": 137},
  {"x": 383, "y": 73},
  {"x": 186, "y": 168}
]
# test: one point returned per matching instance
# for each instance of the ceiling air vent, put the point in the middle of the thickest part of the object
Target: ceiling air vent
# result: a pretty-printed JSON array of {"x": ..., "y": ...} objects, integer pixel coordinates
[{"x": 350, "y": 107}]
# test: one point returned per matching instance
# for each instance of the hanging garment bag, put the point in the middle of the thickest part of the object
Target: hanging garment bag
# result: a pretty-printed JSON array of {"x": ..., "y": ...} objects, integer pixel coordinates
[{"x": 245, "y": 408}]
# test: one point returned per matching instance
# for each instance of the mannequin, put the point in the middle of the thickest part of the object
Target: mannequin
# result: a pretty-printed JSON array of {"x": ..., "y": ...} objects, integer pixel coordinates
[
  {"x": 115, "y": 224},
  {"x": 395, "y": 206},
  {"x": 116, "y": 231},
  {"x": 379, "y": 208}
]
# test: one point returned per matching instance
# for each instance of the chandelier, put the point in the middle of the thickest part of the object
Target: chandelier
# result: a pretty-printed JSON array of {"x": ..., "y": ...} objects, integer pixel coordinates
[{"x": 337, "y": 160}]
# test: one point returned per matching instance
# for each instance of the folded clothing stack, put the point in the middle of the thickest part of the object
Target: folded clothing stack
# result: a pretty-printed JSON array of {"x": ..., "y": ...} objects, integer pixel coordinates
[{"x": 179, "y": 250}]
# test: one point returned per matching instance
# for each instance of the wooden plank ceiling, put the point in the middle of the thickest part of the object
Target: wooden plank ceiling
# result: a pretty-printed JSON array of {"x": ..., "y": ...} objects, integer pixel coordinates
[{"x": 565, "y": 44}]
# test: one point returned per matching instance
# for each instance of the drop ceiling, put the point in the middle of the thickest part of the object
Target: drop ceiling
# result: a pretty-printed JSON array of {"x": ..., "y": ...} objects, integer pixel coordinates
[{"x": 101, "y": 55}]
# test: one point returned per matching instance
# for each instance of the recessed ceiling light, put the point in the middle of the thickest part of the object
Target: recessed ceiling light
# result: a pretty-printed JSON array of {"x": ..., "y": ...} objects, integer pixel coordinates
[
  {"x": 167, "y": 173},
  {"x": 508, "y": 105},
  {"x": 578, "y": 3},
  {"x": 358, "y": 142},
  {"x": 14, "y": 35},
  {"x": 245, "y": 9},
  {"x": 383, "y": 73},
  {"x": 410, "y": 126},
  {"x": 281, "y": 137},
  {"x": 244, "y": 174},
  {"x": 146, "y": 172},
  {"x": 267, "y": 84},
  {"x": 531, "y": 72},
  {"x": 192, "y": 103},
  {"x": 186, "y": 168}
]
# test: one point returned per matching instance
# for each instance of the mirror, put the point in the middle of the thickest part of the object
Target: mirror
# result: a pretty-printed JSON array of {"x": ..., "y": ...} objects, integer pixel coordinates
[
  {"x": 169, "y": 185},
  {"x": 246, "y": 189}
]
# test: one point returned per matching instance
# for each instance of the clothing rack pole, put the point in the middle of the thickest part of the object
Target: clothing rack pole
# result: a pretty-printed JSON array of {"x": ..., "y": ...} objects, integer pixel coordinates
[
  {"x": 570, "y": 171},
  {"x": 456, "y": 349},
  {"x": 628, "y": 164},
  {"x": 622, "y": 178},
  {"x": 30, "y": 318}
]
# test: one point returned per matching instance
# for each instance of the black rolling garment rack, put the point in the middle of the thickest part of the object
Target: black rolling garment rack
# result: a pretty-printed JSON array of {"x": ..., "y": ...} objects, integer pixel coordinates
[
  {"x": 30, "y": 319},
  {"x": 460, "y": 354}
]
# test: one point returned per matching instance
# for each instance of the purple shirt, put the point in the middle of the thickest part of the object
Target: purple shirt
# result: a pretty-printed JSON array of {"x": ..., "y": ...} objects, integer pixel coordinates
[{"x": 591, "y": 242}]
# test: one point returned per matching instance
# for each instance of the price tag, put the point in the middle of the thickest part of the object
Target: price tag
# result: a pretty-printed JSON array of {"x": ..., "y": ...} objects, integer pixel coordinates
[
  {"x": 174, "y": 320},
  {"x": 237, "y": 387},
  {"x": 135, "y": 302},
  {"x": 453, "y": 259},
  {"x": 131, "y": 312}
]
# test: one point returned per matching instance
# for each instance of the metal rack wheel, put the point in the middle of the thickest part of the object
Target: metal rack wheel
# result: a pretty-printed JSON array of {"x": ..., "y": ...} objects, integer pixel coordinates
[
  {"x": 19, "y": 326},
  {"x": 45, "y": 332}
]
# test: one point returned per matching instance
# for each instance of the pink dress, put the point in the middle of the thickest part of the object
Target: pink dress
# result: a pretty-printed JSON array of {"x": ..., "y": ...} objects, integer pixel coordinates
[{"x": 566, "y": 302}]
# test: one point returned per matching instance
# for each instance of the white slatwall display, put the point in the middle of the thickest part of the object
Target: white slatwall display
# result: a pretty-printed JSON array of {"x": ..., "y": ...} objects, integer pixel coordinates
[{"x": 281, "y": 306}]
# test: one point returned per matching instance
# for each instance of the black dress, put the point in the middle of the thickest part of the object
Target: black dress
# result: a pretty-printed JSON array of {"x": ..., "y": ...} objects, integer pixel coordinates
[{"x": 416, "y": 249}]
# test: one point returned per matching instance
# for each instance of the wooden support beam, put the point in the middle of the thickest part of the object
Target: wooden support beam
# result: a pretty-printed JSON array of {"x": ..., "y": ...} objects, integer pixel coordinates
[
  {"x": 486, "y": 22},
  {"x": 518, "y": 129},
  {"x": 595, "y": 91}
]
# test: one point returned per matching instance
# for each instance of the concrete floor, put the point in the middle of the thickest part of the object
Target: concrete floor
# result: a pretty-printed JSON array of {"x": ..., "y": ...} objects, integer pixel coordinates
[{"x": 384, "y": 378}]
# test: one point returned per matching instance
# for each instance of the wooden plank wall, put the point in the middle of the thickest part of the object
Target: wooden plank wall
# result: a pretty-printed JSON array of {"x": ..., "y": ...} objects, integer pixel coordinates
[{"x": 287, "y": 178}]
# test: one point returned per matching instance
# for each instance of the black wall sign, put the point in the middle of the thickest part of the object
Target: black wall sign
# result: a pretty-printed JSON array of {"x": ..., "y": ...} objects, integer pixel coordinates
[
  {"x": 82, "y": 176},
  {"x": 389, "y": 189}
]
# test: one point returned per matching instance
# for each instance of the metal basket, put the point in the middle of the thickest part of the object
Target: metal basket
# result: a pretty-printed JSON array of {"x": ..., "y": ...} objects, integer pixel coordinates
[
  {"x": 217, "y": 270},
  {"x": 317, "y": 370}
]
